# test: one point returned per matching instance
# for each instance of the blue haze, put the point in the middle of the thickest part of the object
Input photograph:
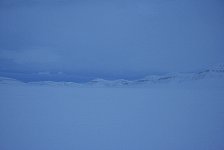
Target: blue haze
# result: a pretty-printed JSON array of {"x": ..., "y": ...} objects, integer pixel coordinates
[
  {"x": 79, "y": 40},
  {"x": 109, "y": 39}
]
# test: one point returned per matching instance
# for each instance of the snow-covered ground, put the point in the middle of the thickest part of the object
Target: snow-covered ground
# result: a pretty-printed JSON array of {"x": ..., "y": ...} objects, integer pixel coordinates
[{"x": 170, "y": 115}]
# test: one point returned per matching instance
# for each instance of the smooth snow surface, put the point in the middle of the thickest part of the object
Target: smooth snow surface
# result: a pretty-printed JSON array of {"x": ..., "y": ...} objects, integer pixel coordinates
[{"x": 178, "y": 116}]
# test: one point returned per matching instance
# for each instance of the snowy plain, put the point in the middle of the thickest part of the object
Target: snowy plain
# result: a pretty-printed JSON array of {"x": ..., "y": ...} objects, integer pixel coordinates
[{"x": 165, "y": 116}]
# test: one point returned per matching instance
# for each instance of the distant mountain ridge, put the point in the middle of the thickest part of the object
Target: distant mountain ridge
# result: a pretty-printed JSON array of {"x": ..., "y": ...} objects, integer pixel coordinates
[
  {"x": 216, "y": 72},
  {"x": 213, "y": 73}
]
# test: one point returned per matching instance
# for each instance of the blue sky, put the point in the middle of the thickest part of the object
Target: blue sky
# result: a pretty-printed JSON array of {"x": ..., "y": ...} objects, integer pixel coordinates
[{"x": 110, "y": 37}]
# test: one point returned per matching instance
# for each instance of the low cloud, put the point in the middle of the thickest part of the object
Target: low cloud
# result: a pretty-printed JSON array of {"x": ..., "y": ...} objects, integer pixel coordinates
[
  {"x": 34, "y": 57},
  {"x": 111, "y": 36}
]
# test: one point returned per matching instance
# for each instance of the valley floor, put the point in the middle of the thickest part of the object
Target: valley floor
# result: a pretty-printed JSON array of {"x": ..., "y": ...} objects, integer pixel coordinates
[{"x": 172, "y": 117}]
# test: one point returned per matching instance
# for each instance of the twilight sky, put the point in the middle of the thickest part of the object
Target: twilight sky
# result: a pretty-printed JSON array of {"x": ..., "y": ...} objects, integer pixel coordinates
[{"x": 110, "y": 36}]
